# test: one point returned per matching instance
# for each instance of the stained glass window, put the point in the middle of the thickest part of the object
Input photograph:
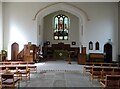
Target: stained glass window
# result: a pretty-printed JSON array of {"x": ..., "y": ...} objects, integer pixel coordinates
[{"x": 61, "y": 27}]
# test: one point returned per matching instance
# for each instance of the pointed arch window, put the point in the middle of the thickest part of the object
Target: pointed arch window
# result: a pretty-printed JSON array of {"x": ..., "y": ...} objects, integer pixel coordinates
[
  {"x": 97, "y": 45},
  {"x": 90, "y": 45},
  {"x": 61, "y": 27}
]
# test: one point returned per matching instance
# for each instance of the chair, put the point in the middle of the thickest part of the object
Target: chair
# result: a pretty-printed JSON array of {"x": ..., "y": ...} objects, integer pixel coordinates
[
  {"x": 7, "y": 63},
  {"x": 23, "y": 63},
  {"x": 98, "y": 64},
  {"x": 30, "y": 63},
  {"x": 87, "y": 67},
  {"x": 116, "y": 71},
  {"x": 111, "y": 82},
  {"x": 11, "y": 68},
  {"x": 106, "y": 71},
  {"x": 96, "y": 73},
  {"x": 114, "y": 65},
  {"x": 2, "y": 69},
  {"x": 33, "y": 68},
  {"x": 8, "y": 80},
  {"x": 106, "y": 64},
  {"x": 14, "y": 70},
  {"x": 14, "y": 63},
  {"x": 24, "y": 71}
]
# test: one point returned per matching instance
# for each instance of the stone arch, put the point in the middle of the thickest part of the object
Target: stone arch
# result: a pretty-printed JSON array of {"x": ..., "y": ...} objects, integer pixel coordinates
[{"x": 81, "y": 14}]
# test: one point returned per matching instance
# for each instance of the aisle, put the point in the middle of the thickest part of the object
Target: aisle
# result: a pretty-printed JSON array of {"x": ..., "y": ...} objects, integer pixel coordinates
[
  {"x": 59, "y": 74},
  {"x": 59, "y": 66}
]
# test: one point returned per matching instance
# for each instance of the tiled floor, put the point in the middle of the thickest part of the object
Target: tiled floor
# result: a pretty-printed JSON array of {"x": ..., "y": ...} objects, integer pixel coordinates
[{"x": 59, "y": 74}]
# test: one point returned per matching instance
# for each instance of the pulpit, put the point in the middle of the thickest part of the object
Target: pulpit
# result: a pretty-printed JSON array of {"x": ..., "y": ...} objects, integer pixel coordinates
[{"x": 29, "y": 52}]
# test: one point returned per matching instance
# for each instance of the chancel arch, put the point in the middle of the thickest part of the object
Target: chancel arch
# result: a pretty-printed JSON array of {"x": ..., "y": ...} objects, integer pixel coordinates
[{"x": 82, "y": 15}]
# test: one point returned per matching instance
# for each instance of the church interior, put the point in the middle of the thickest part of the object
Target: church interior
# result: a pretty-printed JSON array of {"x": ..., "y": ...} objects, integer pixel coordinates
[{"x": 59, "y": 44}]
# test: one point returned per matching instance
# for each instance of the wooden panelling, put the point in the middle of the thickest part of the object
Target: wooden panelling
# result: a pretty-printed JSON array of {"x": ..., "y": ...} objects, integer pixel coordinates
[
  {"x": 48, "y": 52},
  {"x": 96, "y": 57}
]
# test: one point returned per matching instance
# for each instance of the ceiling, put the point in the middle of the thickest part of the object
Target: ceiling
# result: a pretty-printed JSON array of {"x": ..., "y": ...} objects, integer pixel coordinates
[{"x": 59, "y": 0}]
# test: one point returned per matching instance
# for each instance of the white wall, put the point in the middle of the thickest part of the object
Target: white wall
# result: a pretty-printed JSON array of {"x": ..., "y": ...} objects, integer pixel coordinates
[
  {"x": 1, "y": 30},
  {"x": 19, "y": 25},
  {"x": 101, "y": 27}
]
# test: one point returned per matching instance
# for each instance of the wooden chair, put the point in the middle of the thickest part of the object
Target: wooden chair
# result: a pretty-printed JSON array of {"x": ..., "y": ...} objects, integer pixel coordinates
[
  {"x": 33, "y": 68},
  {"x": 116, "y": 71},
  {"x": 14, "y": 63},
  {"x": 13, "y": 70},
  {"x": 87, "y": 67},
  {"x": 24, "y": 71},
  {"x": 23, "y": 63},
  {"x": 106, "y": 64},
  {"x": 114, "y": 65},
  {"x": 106, "y": 71},
  {"x": 96, "y": 73},
  {"x": 7, "y": 63},
  {"x": 97, "y": 64},
  {"x": 2, "y": 69},
  {"x": 111, "y": 82},
  {"x": 8, "y": 80},
  {"x": 1, "y": 63},
  {"x": 30, "y": 63}
]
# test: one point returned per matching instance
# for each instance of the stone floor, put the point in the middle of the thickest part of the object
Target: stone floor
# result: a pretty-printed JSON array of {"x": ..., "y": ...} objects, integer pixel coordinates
[{"x": 60, "y": 74}]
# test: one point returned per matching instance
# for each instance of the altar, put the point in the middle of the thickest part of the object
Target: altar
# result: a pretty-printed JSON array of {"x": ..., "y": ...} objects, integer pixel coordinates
[{"x": 60, "y": 54}]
